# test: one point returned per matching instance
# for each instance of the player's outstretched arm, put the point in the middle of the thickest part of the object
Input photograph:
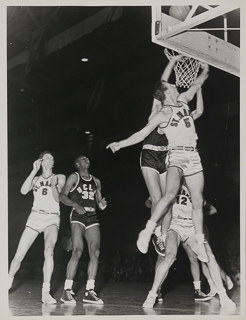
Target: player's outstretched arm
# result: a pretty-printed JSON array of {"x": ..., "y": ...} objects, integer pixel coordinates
[
  {"x": 199, "y": 105},
  {"x": 198, "y": 83},
  {"x": 140, "y": 135},
  {"x": 169, "y": 68}
]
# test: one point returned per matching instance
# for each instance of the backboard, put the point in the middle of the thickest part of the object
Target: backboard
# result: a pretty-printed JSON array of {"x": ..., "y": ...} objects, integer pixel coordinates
[{"x": 209, "y": 33}]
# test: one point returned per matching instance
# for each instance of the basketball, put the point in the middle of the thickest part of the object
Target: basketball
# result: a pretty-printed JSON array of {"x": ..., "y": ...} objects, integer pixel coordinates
[{"x": 179, "y": 12}]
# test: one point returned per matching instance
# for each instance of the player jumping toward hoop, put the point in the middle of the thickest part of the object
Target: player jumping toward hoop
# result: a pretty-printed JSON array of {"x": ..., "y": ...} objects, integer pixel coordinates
[{"x": 176, "y": 120}]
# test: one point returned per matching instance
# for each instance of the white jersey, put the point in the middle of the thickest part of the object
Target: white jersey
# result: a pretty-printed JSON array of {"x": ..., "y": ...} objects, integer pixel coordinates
[
  {"x": 182, "y": 208},
  {"x": 180, "y": 130},
  {"x": 43, "y": 196}
]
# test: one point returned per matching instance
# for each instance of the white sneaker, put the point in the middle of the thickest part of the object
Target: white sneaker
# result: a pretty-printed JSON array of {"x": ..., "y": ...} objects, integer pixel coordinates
[
  {"x": 46, "y": 298},
  {"x": 213, "y": 292},
  {"x": 150, "y": 301},
  {"x": 143, "y": 241},
  {"x": 226, "y": 302}
]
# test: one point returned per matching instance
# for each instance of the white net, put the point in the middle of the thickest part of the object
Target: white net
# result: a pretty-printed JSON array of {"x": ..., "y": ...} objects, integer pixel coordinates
[{"x": 186, "y": 69}]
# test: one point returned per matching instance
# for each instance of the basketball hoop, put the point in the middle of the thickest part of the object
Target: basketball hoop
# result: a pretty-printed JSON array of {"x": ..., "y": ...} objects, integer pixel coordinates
[{"x": 186, "y": 69}]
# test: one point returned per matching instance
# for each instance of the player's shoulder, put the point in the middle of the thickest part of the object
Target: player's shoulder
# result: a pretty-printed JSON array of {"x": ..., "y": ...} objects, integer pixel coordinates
[
  {"x": 61, "y": 176},
  {"x": 95, "y": 179}
]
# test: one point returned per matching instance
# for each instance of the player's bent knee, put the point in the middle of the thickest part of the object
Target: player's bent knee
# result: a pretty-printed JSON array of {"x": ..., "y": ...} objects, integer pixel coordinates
[
  {"x": 77, "y": 253},
  {"x": 97, "y": 253},
  {"x": 49, "y": 251}
]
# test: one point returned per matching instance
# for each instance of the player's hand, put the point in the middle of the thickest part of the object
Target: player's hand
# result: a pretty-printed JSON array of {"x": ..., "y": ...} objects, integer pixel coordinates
[
  {"x": 148, "y": 203},
  {"x": 178, "y": 57},
  {"x": 102, "y": 204},
  {"x": 205, "y": 66},
  {"x": 79, "y": 209},
  {"x": 114, "y": 146},
  {"x": 54, "y": 181},
  {"x": 37, "y": 164}
]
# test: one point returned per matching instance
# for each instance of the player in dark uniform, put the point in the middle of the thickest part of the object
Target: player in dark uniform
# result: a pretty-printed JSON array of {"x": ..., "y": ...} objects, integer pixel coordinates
[{"x": 85, "y": 197}]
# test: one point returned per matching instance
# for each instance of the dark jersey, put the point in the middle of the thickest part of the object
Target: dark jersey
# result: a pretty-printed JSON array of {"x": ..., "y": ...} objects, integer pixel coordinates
[
  {"x": 156, "y": 138},
  {"x": 84, "y": 193}
]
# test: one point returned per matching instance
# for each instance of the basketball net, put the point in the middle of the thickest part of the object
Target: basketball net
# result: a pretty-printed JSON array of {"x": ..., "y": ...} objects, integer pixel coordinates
[{"x": 186, "y": 69}]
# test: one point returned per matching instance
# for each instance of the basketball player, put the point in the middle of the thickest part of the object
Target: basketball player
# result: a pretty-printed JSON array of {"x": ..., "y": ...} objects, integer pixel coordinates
[
  {"x": 176, "y": 120},
  {"x": 182, "y": 230},
  {"x": 44, "y": 217},
  {"x": 85, "y": 196}
]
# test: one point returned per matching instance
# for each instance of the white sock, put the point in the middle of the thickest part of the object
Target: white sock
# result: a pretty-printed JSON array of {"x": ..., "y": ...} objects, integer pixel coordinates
[
  {"x": 68, "y": 284},
  {"x": 197, "y": 285},
  {"x": 200, "y": 238},
  {"x": 153, "y": 294},
  {"x": 46, "y": 287},
  {"x": 163, "y": 237},
  {"x": 158, "y": 231},
  {"x": 222, "y": 293},
  {"x": 90, "y": 285},
  {"x": 150, "y": 226}
]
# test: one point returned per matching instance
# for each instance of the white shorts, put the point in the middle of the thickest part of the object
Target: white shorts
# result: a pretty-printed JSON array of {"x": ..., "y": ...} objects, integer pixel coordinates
[
  {"x": 183, "y": 227},
  {"x": 39, "y": 222},
  {"x": 188, "y": 161}
]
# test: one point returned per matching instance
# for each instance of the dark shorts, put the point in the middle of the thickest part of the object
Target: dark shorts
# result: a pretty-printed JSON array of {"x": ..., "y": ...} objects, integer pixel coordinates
[
  {"x": 155, "y": 160},
  {"x": 87, "y": 220}
]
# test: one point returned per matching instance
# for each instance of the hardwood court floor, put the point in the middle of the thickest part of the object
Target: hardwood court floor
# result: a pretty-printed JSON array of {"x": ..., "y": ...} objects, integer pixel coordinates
[{"x": 122, "y": 298}]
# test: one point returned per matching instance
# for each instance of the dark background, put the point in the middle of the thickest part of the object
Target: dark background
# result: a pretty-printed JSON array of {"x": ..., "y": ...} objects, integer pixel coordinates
[{"x": 54, "y": 98}]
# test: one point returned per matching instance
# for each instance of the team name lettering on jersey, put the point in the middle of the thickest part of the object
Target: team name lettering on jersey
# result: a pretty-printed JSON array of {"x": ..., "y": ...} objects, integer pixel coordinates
[
  {"x": 41, "y": 184},
  {"x": 187, "y": 114},
  {"x": 87, "y": 191}
]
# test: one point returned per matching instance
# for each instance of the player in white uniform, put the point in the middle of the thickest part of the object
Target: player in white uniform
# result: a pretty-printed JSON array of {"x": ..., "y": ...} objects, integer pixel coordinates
[
  {"x": 44, "y": 217},
  {"x": 182, "y": 230},
  {"x": 176, "y": 120}
]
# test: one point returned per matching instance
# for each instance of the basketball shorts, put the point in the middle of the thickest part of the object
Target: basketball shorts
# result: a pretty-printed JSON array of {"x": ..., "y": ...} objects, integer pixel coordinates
[
  {"x": 188, "y": 161},
  {"x": 155, "y": 160},
  {"x": 183, "y": 227},
  {"x": 87, "y": 220},
  {"x": 40, "y": 221}
]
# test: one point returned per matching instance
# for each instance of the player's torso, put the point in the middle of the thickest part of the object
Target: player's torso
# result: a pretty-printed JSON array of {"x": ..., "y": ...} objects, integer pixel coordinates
[
  {"x": 43, "y": 195},
  {"x": 180, "y": 130},
  {"x": 84, "y": 193},
  {"x": 156, "y": 138},
  {"x": 182, "y": 208}
]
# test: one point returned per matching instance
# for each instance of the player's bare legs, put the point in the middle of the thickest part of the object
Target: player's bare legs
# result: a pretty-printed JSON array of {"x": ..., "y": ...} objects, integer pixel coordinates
[
  {"x": 153, "y": 183},
  {"x": 50, "y": 238},
  {"x": 27, "y": 238},
  {"x": 214, "y": 270},
  {"x": 156, "y": 184},
  {"x": 93, "y": 236},
  {"x": 77, "y": 231},
  {"x": 195, "y": 271},
  {"x": 195, "y": 184},
  {"x": 172, "y": 243},
  {"x": 172, "y": 187}
]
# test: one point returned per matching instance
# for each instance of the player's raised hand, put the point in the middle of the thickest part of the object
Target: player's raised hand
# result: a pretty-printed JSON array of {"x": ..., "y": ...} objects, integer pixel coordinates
[
  {"x": 37, "y": 165},
  {"x": 114, "y": 146},
  {"x": 205, "y": 66}
]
